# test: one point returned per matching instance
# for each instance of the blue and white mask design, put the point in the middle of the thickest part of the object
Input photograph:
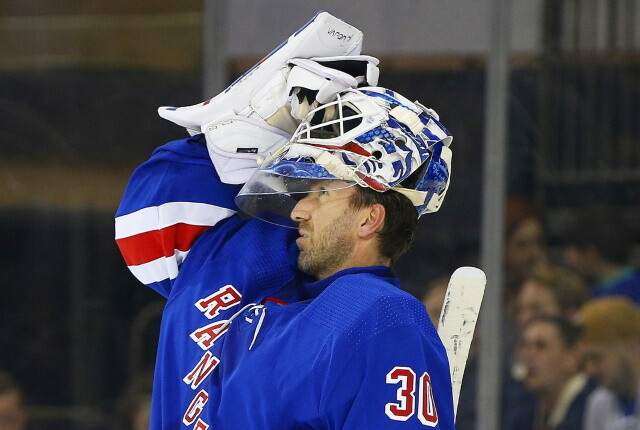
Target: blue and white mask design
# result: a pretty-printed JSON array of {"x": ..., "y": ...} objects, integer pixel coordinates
[{"x": 371, "y": 137}]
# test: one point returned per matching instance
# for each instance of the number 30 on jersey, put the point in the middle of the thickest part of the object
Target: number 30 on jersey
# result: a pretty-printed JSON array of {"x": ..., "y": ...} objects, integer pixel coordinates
[{"x": 406, "y": 406}]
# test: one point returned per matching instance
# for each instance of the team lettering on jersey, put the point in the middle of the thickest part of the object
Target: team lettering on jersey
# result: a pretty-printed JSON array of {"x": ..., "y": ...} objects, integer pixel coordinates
[
  {"x": 225, "y": 298},
  {"x": 408, "y": 402},
  {"x": 206, "y": 336},
  {"x": 205, "y": 366}
]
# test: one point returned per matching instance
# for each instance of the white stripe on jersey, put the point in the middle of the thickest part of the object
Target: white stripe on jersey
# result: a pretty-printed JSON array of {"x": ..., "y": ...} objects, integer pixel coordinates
[
  {"x": 168, "y": 214},
  {"x": 159, "y": 269}
]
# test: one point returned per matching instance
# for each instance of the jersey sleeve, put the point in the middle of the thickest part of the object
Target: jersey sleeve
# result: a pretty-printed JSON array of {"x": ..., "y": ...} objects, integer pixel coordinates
[
  {"x": 403, "y": 384},
  {"x": 170, "y": 200}
]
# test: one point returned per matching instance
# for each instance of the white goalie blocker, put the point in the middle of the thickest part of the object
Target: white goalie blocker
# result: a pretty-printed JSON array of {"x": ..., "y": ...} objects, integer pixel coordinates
[
  {"x": 458, "y": 319},
  {"x": 259, "y": 111}
]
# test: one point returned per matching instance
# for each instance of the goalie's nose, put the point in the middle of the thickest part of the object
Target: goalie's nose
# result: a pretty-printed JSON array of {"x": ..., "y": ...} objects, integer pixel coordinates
[{"x": 302, "y": 210}]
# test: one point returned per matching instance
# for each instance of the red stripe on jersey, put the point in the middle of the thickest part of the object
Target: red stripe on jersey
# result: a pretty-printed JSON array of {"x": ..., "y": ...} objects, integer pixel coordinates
[{"x": 151, "y": 245}]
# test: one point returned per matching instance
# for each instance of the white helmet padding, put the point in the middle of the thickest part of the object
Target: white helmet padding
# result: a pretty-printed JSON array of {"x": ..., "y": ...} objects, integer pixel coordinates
[{"x": 372, "y": 137}]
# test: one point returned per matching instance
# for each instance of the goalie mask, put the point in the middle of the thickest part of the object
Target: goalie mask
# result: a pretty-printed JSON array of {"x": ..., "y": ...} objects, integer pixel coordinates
[{"x": 372, "y": 137}]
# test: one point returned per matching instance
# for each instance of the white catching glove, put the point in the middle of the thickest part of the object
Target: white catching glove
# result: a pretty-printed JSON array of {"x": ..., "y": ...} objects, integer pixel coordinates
[
  {"x": 252, "y": 117},
  {"x": 306, "y": 83},
  {"x": 317, "y": 80},
  {"x": 275, "y": 111}
]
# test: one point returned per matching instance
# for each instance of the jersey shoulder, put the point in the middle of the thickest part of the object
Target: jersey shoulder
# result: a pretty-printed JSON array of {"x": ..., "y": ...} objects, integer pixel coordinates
[{"x": 368, "y": 304}]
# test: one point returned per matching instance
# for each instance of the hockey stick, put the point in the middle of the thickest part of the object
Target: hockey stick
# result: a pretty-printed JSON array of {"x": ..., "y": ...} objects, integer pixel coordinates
[{"x": 458, "y": 321}]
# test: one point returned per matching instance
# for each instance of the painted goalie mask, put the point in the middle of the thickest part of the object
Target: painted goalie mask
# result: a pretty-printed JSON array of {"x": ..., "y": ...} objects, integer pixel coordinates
[{"x": 371, "y": 137}]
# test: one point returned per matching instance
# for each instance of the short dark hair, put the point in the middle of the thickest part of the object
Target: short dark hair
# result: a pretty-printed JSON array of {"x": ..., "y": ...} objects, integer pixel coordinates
[
  {"x": 400, "y": 223},
  {"x": 569, "y": 289},
  {"x": 569, "y": 331}
]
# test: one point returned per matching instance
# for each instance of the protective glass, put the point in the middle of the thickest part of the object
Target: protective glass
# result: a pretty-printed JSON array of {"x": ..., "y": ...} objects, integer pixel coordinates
[{"x": 274, "y": 190}]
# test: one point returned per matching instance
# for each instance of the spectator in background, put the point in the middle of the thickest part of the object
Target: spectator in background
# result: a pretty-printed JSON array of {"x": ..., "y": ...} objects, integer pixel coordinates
[
  {"x": 524, "y": 252},
  {"x": 597, "y": 246},
  {"x": 525, "y": 247},
  {"x": 610, "y": 345},
  {"x": 12, "y": 414},
  {"x": 433, "y": 298},
  {"x": 548, "y": 351},
  {"x": 550, "y": 290}
]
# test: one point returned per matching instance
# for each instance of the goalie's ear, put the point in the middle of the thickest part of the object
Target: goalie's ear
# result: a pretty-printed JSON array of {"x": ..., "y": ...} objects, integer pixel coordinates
[{"x": 372, "y": 220}]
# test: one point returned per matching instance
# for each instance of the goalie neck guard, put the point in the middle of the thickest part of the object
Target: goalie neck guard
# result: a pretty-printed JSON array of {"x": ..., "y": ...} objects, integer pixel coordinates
[{"x": 372, "y": 137}]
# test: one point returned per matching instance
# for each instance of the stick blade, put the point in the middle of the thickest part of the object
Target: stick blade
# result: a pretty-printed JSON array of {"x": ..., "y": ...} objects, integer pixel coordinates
[{"x": 458, "y": 319}]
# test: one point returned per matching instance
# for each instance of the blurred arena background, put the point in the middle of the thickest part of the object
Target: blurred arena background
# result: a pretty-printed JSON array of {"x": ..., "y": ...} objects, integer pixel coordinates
[{"x": 79, "y": 86}]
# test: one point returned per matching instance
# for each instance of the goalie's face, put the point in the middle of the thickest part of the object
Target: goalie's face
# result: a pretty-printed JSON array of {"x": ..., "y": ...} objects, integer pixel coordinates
[{"x": 327, "y": 227}]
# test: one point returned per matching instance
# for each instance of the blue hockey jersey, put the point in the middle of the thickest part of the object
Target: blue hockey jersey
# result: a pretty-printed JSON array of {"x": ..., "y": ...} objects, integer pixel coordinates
[{"x": 246, "y": 341}]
